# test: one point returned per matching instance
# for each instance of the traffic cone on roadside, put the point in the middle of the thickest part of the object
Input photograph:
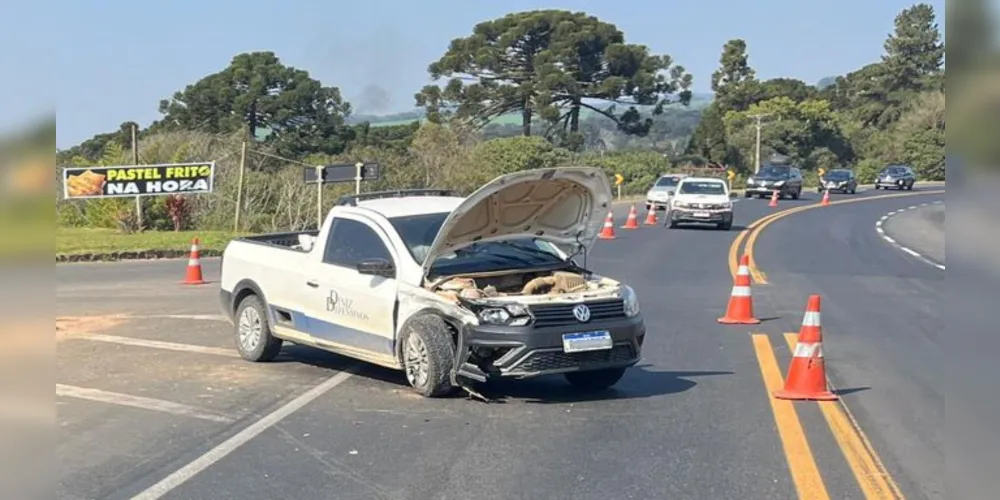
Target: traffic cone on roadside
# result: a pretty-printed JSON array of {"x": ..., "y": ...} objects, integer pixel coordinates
[
  {"x": 774, "y": 199},
  {"x": 807, "y": 374},
  {"x": 193, "y": 275},
  {"x": 650, "y": 217},
  {"x": 608, "y": 232},
  {"x": 740, "y": 308},
  {"x": 826, "y": 198},
  {"x": 632, "y": 222}
]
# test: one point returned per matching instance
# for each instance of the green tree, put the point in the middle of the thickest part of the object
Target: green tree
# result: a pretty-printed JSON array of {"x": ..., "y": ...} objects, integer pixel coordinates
[
  {"x": 735, "y": 82},
  {"x": 257, "y": 93},
  {"x": 807, "y": 132},
  {"x": 710, "y": 140},
  {"x": 549, "y": 64},
  {"x": 797, "y": 90}
]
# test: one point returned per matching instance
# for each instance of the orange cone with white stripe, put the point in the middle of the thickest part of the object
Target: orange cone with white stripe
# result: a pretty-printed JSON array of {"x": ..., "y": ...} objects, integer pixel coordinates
[
  {"x": 650, "y": 217},
  {"x": 826, "y": 197},
  {"x": 193, "y": 275},
  {"x": 608, "y": 231},
  {"x": 807, "y": 374},
  {"x": 774, "y": 199},
  {"x": 632, "y": 222},
  {"x": 740, "y": 308}
]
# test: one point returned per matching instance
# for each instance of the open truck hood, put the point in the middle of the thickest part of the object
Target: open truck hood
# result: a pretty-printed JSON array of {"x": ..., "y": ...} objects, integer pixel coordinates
[{"x": 562, "y": 205}]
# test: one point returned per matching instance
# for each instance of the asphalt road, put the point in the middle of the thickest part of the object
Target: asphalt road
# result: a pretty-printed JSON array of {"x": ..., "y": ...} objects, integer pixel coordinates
[
  {"x": 693, "y": 420},
  {"x": 883, "y": 325}
]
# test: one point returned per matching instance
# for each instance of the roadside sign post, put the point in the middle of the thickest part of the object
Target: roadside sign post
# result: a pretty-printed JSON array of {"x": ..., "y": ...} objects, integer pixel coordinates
[
  {"x": 730, "y": 175},
  {"x": 342, "y": 172},
  {"x": 319, "y": 197},
  {"x": 618, "y": 183}
]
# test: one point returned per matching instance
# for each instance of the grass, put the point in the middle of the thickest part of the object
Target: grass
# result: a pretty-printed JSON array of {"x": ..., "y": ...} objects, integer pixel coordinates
[{"x": 79, "y": 241}]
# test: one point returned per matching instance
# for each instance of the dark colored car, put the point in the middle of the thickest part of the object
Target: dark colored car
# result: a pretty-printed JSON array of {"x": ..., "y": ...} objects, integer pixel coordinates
[
  {"x": 839, "y": 179},
  {"x": 785, "y": 179},
  {"x": 897, "y": 176}
]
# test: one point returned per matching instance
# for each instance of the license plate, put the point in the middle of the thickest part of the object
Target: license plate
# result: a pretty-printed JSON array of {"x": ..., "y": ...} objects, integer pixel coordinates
[
  {"x": 587, "y": 341},
  {"x": 702, "y": 214}
]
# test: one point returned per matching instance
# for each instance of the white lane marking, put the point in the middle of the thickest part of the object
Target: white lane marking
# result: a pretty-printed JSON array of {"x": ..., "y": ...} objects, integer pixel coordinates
[
  {"x": 879, "y": 229},
  {"x": 212, "y": 456},
  {"x": 159, "y": 344},
  {"x": 138, "y": 402}
]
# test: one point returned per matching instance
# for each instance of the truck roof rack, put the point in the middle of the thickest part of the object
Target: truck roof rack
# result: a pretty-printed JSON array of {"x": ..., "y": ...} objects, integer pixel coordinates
[{"x": 353, "y": 199}]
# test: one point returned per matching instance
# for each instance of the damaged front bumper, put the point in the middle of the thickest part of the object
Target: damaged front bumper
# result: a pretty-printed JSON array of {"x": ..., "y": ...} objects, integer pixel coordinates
[{"x": 487, "y": 351}]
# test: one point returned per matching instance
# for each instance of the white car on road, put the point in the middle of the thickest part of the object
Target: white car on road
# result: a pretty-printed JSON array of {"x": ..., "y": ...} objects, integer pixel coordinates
[
  {"x": 450, "y": 290},
  {"x": 658, "y": 196},
  {"x": 702, "y": 200}
]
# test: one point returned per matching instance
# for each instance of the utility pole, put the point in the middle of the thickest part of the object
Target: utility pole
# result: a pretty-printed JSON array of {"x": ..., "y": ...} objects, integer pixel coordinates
[{"x": 758, "y": 118}]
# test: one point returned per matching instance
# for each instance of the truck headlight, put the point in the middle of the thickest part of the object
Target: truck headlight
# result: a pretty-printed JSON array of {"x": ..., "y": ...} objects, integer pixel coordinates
[
  {"x": 779, "y": 183},
  {"x": 630, "y": 301},
  {"x": 508, "y": 314}
]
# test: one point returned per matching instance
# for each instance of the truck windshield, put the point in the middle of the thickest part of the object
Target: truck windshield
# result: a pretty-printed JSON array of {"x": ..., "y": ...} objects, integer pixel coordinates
[
  {"x": 418, "y": 233},
  {"x": 695, "y": 187},
  {"x": 667, "y": 181},
  {"x": 772, "y": 171},
  {"x": 838, "y": 175}
]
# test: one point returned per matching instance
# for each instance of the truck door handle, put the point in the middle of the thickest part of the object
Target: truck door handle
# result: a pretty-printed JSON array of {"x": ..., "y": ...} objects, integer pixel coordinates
[{"x": 313, "y": 283}]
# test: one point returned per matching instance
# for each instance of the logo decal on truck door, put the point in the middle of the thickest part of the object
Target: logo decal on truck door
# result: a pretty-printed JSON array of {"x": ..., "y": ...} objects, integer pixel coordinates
[{"x": 343, "y": 306}]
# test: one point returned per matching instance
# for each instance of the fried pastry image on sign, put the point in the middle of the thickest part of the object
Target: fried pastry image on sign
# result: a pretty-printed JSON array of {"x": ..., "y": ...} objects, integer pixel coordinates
[{"x": 85, "y": 184}]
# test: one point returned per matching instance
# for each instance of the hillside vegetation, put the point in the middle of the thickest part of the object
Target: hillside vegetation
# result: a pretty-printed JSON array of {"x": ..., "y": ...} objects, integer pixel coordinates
[{"x": 528, "y": 90}]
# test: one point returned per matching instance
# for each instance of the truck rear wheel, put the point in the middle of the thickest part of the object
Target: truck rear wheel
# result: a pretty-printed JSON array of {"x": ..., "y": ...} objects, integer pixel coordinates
[
  {"x": 428, "y": 356},
  {"x": 253, "y": 333},
  {"x": 595, "y": 380}
]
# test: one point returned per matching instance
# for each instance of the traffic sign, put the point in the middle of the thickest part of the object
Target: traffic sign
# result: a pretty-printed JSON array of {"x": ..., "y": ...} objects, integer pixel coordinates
[
  {"x": 619, "y": 179},
  {"x": 822, "y": 171},
  {"x": 731, "y": 174}
]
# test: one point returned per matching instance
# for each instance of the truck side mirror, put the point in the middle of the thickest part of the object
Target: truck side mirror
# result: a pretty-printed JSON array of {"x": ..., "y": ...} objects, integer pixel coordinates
[{"x": 377, "y": 267}]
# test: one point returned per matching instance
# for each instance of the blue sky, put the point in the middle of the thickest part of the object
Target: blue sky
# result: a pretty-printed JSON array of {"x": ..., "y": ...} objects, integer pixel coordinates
[{"x": 117, "y": 59}]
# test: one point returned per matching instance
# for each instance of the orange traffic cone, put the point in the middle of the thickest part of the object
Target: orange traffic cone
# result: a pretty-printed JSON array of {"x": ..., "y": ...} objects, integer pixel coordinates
[
  {"x": 608, "y": 232},
  {"x": 193, "y": 275},
  {"x": 632, "y": 222},
  {"x": 774, "y": 199},
  {"x": 826, "y": 197},
  {"x": 740, "y": 308},
  {"x": 650, "y": 217},
  {"x": 807, "y": 373}
]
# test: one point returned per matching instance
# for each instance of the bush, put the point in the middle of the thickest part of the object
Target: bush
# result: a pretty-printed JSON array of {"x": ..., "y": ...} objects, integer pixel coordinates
[{"x": 867, "y": 170}]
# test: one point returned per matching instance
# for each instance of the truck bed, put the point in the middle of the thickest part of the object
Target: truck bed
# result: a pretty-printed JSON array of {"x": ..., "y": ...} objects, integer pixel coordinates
[{"x": 287, "y": 240}]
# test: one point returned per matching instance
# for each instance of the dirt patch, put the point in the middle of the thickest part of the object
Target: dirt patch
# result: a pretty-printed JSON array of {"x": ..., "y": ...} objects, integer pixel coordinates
[{"x": 78, "y": 326}]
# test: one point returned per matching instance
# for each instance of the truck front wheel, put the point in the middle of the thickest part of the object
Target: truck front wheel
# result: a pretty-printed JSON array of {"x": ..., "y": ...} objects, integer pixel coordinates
[
  {"x": 253, "y": 333},
  {"x": 595, "y": 380},
  {"x": 428, "y": 356}
]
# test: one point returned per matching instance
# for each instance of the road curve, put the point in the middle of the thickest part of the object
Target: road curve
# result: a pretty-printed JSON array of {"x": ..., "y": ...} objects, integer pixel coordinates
[
  {"x": 693, "y": 421},
  {"x": 883, "y": 326}
]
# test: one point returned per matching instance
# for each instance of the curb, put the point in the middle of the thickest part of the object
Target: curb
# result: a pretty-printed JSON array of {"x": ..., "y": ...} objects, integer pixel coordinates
[{"x": 133, "y": 255}]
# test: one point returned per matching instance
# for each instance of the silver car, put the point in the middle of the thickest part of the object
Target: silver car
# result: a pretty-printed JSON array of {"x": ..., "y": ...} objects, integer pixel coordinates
[{"x": 659, "y": 195}]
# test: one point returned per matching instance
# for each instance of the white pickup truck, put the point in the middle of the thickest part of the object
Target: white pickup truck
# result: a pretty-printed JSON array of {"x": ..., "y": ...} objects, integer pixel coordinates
[{"x": 450, "y": 290}]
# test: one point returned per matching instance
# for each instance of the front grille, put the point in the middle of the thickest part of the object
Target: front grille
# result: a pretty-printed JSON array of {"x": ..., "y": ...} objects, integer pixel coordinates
[
  {"x": 547, "y": 315},
  {"x": 539, "y": 361}
]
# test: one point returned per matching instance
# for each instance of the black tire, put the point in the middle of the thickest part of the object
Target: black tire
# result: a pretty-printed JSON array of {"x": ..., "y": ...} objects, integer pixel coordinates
[
  {"x": 796, "y": 194},
  {"x": 854, "y": 190},
  {"x": 909, "y": 187},
  {"x": 748, "y": 195},
  {"x": 726, "y": 226},
  {"x": 252, "y": 314},
  {"x": 876, "y": 187},
  {"x": 595, "y": 380},
  {"x": 438, "y": 355}
]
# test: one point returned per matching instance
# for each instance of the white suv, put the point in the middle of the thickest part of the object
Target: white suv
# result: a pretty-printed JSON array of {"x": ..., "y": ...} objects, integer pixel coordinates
[{"x": 702, "y": 200}]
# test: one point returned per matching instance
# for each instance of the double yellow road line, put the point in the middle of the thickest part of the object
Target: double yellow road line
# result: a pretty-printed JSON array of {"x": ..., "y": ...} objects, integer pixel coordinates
[{"x": 873, "y": 479}]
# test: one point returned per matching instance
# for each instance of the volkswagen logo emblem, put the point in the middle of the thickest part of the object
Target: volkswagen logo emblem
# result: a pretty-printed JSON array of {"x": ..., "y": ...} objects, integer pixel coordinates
[{"x": 582, "y": 313}]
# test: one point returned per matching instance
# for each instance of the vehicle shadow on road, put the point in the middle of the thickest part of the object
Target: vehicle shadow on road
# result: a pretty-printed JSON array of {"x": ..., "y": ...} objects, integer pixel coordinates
[
  {"x": 707, "y": 227},
  {"x": 639, "y": 382}
]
